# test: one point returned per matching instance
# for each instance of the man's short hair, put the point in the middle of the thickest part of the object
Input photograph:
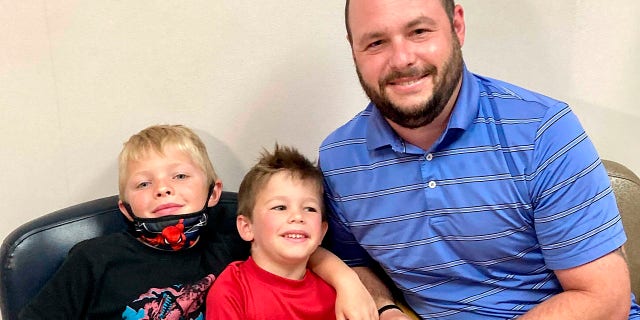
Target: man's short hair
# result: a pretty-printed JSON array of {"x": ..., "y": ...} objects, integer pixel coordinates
[{"x": 447, "y": 4}]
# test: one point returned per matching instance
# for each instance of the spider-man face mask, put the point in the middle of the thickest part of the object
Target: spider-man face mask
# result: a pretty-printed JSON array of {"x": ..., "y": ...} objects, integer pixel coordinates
[{"x": 170, "y": 233}]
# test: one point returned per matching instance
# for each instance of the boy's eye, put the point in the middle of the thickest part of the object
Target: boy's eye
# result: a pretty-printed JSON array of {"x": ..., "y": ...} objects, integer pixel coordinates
[
  {"x": 181, "y": 176},
  {"x": 311, "y": 209},
  {"x": 279, "y": 208},
  {"x": 142, "y": 185}
]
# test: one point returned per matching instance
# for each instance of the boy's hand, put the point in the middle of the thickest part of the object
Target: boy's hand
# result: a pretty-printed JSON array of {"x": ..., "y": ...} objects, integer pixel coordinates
[{"x": 353, "y": 302}]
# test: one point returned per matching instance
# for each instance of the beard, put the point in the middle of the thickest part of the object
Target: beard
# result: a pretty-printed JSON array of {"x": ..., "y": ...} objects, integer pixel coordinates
[{"x": 445, "y": 82}]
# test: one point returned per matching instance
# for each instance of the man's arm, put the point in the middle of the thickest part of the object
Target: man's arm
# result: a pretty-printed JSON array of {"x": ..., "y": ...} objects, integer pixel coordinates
[
  {"x": 599, "y": 289},
  {"x": 353, "y": 301}
]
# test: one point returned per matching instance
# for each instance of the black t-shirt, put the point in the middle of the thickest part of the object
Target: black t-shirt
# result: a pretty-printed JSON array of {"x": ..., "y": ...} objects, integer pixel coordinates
[{"x": 116, "y": 277}]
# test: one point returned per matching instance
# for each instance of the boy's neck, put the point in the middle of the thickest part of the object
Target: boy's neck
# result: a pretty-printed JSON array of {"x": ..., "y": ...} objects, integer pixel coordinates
[{"x": 293, "y": 271}]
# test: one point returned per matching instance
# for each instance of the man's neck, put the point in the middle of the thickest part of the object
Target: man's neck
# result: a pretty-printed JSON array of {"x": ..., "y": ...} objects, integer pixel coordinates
[{"x": 425, "y": 136}]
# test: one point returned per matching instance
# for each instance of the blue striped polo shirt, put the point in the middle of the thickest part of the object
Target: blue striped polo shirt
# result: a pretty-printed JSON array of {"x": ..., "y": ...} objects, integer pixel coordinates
[{"x": 473, "y": 227}]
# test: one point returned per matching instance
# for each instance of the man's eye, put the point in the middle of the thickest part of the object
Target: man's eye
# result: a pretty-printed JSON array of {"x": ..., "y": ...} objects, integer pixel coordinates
[{"x": 374, "y": 44}]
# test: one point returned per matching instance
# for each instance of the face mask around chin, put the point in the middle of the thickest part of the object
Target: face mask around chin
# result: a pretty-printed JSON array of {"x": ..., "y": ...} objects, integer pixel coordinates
[{"x": 170, "y": 233}]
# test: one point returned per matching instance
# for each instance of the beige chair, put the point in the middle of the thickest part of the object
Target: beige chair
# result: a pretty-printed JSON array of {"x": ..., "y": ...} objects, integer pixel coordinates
[{"x": 626, "y": 187}]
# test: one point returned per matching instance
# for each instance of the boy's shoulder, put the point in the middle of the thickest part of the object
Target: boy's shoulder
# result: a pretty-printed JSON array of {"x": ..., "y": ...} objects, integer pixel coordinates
[
  {"x": 116, "y": 240},
  {"x": 105, "y": 248}
]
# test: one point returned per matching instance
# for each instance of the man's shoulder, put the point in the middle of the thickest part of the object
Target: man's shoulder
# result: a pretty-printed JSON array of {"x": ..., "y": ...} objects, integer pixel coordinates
[{"x": 507, "y": 92}]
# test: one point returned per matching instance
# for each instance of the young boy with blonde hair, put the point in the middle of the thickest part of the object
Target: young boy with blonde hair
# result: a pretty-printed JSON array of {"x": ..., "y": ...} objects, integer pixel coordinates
[
  {"x": 163, "y": 266},
  {"x": 281, "y": 212}
]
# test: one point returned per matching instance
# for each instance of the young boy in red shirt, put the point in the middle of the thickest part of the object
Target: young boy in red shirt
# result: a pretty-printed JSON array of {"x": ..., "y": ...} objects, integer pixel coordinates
[{"x": 281, "y": 211}]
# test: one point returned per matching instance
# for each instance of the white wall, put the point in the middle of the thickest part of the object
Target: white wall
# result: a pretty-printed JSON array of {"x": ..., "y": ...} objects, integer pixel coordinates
[
  {"x": 584, "y": 52},
  {"x": 77, "y": 78}
]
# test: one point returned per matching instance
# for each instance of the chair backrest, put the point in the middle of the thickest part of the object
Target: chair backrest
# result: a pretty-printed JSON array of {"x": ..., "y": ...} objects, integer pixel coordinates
[
  {"x": 626, "y": 187},
  {"x": 32, "y": 253}
]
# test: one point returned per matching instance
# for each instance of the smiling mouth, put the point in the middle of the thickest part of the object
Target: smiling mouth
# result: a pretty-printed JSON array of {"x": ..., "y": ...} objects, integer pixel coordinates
[
  {"x": 410, "y": 76},
  {"x": 167, "y": 208},
  {"x": 406, "y": 82},
  {"x": 407, "y": 85},
  {"x": 295, "y": 236}
]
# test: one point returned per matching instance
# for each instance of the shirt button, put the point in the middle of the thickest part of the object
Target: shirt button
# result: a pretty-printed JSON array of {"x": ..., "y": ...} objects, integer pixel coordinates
[
  {"x": 432, "y": 184},
  {"x": 429, "y": 157}
]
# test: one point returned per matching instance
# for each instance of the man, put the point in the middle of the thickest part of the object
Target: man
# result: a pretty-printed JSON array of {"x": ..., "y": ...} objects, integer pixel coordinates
[{"x": 480, "y": 199}]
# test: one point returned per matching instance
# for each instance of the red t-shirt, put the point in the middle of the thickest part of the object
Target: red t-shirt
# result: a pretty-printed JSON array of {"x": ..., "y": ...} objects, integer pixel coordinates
[{"x": 244, "y": 291}]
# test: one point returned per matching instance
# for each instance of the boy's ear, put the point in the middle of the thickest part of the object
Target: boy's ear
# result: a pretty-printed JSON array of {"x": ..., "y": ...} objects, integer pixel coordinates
[
  {"x": 245, "y": 228},
  {"x": 215, "y": 194},
  {"x": 325, "y": 227},
  {"x": 124, "y": 211}
]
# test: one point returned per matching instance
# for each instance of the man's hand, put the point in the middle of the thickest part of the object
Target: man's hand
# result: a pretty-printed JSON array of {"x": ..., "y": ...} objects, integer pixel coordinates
[
  {"x": 395, "y": 314},
  {"x": 353, "y": 301},
  {"x": 381, "y": 294}
]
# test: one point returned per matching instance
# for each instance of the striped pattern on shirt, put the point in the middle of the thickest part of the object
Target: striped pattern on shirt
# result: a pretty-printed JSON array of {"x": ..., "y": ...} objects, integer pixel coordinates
[{"x": 474, "y": 227}]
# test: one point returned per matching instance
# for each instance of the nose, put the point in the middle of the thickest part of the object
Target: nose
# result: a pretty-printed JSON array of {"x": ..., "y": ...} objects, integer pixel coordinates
[
  {"x": 164, "y": 190},
  {"x": 296, "y": 216},
  {"x": 402, "y": 54}
]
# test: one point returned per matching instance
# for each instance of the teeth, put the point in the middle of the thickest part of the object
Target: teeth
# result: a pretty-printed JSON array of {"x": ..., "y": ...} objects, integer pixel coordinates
[
  {"x": 408, "y": 83},
  {"x": 294, "y": 236}
]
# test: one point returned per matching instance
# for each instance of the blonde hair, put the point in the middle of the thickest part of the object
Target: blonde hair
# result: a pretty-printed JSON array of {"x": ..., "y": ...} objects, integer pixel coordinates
[
  {"x": 157, "y": 138},
  {"x": 283, "y": 159}
]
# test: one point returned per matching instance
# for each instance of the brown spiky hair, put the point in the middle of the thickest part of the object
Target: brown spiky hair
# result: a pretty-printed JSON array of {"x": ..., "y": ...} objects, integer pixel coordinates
[
  {"x": 448, "y": 6},
  {"x": 282, "y": 159}
]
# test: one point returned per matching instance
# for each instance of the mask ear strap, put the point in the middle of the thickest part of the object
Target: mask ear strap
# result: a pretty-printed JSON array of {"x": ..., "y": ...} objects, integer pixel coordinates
[
  {"x": 206, "y": 202},
  {"x": 211, "y": 187},
  {"x": 127, "y": 207}
]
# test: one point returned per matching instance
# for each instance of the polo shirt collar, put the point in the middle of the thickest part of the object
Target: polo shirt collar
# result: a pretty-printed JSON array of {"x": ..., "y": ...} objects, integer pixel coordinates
[{"x": 380, "y": 134}]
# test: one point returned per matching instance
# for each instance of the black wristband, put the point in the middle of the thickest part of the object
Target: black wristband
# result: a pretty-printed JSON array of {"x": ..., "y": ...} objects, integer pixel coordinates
[{"x": 387, "y": 307}]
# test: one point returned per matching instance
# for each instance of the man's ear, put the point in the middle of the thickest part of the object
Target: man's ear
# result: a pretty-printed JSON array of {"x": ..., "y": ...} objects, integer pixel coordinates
[
  {"x": 459, "y": 26},
  {"x": 245, "y": 227},
  {"x": 124, "y": 211},
  {"x": 215, "y": 194}
]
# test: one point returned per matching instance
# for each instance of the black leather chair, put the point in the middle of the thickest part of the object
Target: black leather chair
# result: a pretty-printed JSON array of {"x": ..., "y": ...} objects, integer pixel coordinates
[{"x": 32, "y": 253}]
